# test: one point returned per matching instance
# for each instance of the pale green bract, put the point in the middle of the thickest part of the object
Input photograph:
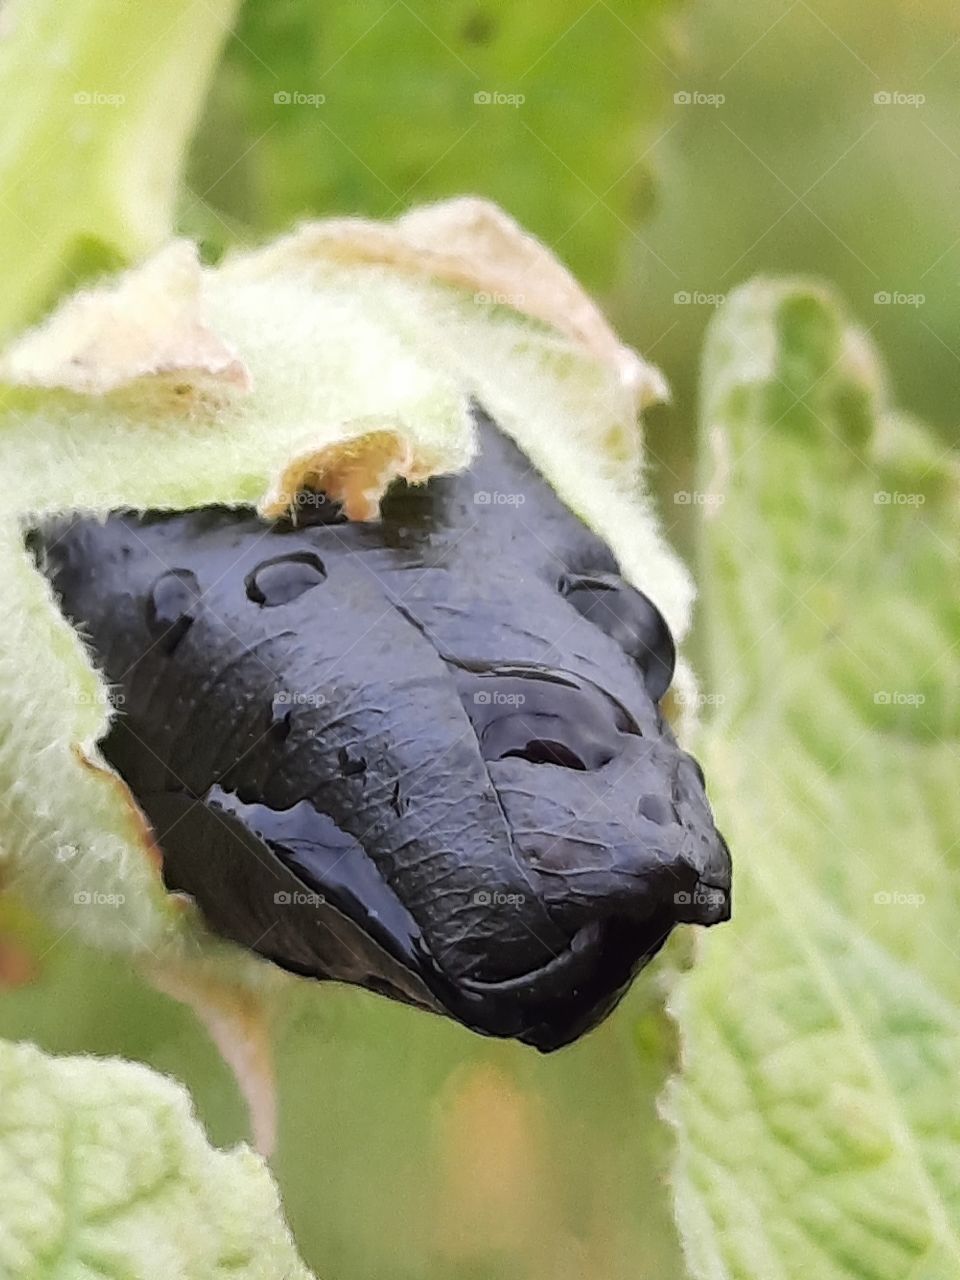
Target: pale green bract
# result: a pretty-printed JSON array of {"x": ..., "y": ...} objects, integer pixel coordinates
[
  {"x": 819, "y": 1132},
  {"x": 106, "y": 1172}
]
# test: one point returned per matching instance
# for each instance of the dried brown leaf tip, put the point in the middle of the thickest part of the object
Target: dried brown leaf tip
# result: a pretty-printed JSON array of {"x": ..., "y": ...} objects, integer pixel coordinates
[
  {"x": 354, "y": 472},
  {"x": 474, "y": 245},
  {"x": 146, "y": 328}
]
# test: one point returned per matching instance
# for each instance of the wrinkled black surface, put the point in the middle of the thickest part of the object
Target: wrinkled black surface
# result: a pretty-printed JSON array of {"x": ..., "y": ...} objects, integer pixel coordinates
[{"x": 424, "y": 755}]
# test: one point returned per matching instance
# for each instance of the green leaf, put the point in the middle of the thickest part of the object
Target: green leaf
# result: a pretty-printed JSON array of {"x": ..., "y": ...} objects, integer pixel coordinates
[
  {"x": 816, "y": 1111},
  {"x": 399, "y": 122},
  {"x": 812, "y": 177},
  {"x": 457, "y": 1155},
  {"x": 106, "y": 1173},
  {"x": 99, "y": 97}
]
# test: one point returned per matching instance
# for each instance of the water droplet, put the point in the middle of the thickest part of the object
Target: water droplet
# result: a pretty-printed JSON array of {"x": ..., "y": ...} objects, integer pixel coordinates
[
  {"x": 283, "y": 578},
  {"x": 332, "y": 863},
  {"x": 630, "y": 618},
  {"x": 534, "y": 713},
  {"x": 170, "y": 605}
]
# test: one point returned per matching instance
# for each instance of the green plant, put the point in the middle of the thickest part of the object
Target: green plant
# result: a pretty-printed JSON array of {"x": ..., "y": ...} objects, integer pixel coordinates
[{"x": 810, "y": 1112}]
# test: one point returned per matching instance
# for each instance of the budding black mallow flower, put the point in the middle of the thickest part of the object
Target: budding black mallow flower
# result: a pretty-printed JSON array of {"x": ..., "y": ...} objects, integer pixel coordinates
[{"x": 423, "y": 754}]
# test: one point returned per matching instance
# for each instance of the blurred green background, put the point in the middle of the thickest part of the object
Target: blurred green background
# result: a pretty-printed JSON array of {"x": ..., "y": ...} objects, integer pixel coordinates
[
  {"x": 786, "y": 157},
  {"x": 667, "y": 151}
]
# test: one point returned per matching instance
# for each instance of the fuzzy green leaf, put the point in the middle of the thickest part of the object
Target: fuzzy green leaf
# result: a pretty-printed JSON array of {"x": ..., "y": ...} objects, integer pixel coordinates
[
  {"x": 818, "y": 1126},
  {"x": 106, "y": 1174}
]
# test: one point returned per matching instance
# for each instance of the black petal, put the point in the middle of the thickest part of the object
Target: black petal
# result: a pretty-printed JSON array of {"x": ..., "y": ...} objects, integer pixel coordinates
[{"x": 393, "y": 754}]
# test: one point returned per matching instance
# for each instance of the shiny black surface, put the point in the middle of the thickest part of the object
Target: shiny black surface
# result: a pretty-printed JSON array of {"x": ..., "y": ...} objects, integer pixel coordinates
[{"x": 424, "y": 754}]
